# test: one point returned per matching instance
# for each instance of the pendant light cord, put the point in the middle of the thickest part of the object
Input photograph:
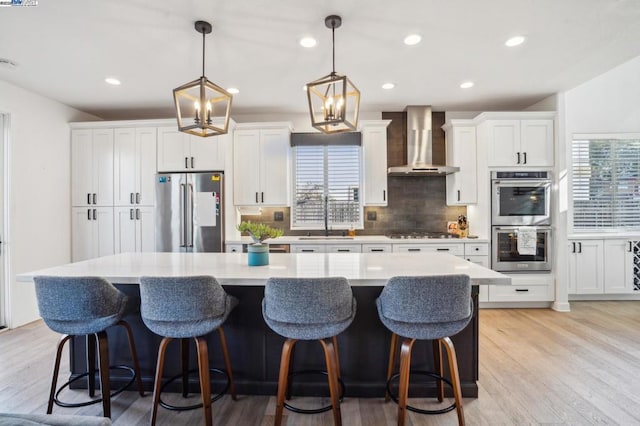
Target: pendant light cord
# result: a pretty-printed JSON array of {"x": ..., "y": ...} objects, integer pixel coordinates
[
  {"x": 333, "y": 42},
  {"x": 203, "y": 35}
]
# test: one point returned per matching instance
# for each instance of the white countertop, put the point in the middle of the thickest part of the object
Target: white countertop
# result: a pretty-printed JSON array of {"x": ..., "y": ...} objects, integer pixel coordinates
[
  {"x": 358, "y": 239},
  {"x": 362, "y": 269}
]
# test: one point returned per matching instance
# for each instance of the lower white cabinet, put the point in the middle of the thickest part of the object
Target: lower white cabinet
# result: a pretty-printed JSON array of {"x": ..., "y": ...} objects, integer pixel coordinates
[
  {"x": 134, "y": 229},
  {"x": 307, "y": 248},
  {"x": 343, "y": 248},
  {"x": 524, "y": 288},
  {"x": 92, "y": 232},
  {"x": 376, "y": 248},
  {"x": 455, "y": 249}
]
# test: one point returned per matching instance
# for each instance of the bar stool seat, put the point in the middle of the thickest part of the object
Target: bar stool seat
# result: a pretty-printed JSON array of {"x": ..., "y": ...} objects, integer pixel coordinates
[
  {"x": 187, "y": 308},
  {"x": 425, "y": 308},
  {"x": 76, "y": 306},
  {"x": 309, "y": 309}
]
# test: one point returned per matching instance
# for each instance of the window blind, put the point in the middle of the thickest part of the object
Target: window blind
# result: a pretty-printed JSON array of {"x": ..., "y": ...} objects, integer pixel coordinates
[
  {"x": 327, "y": 182},
  {"x": 606, "y": 184}
]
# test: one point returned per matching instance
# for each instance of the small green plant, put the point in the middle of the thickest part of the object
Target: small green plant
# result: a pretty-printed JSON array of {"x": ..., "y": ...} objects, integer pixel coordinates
[{"x": 259, "y": 231}]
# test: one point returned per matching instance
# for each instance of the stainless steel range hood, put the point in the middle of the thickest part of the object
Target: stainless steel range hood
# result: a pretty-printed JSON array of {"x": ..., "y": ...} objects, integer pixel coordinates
[{"x": 420, "y": 147}]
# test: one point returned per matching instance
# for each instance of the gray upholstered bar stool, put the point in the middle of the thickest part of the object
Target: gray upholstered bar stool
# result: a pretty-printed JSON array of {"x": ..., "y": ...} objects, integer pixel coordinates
[
  {"x": 309, "y": 309},
  {"x": 76, "y": 306},
  {"x": 425, "y": 308},
  {"x": 186, "y": 308}
]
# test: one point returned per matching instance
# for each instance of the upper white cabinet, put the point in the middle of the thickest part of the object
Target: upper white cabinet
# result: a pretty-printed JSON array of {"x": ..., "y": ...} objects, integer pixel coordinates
[
  {"x": 462, "y": 186},
  {"x": 92, "y": 167},
  {"x": 374, "y": 146},
  {"x": 261, "y": 169},
  {"x": 134, "y": 166},
  {"x": 516, "y": 143},
  {"x": 182, "y": 152}
]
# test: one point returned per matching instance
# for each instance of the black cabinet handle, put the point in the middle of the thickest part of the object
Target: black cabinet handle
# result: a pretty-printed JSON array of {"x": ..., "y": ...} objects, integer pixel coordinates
[
  {"x": 137, "y": 214},
  {"x": 130, "y": 214},
  {"x": 256, "y": 198},
  {"x": 522, "y": 290},
  {"x": 442, "y": 249},
  {"x": 573, "y": 249},
  {"x": 477, "y": 248},
  {"x": 88, "y": 198},
  {"x": 343, "y": 250},
  {"x": 307, "y": 250},
  {"x": 131, "y": 198},
  {"x": 384, "y": 195},
  {"x": 186, "y": 162},
  {"x": 192, "y": 163},
  {"x": 413, "y": 249},
  {"x": 518, "y": 158},
  {"x": 630, "y": 246},
  {"x": 377, "y": 250},
  {"x": 137, "y": 198},
  {"x": 525, "y": 157},
  {"x": 88, "y": 214},
  {"x": 458, "y": 195},
  {"x": 94, "y": 214},
  {"x": 579, "y": 247},
  {"x": 95, "y": 198},
  {"x": 262, "y": 197}
]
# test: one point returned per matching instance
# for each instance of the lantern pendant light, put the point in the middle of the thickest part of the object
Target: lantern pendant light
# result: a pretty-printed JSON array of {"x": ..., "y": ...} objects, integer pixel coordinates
[
  {"x": 202, "y": 107},
  {"x": 333, "y": 99}
]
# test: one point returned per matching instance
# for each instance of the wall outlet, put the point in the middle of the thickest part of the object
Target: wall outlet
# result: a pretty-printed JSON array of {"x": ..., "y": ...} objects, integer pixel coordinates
[
  {"x": 278, "y": 216},
  {"x": 371, "y": 216}
]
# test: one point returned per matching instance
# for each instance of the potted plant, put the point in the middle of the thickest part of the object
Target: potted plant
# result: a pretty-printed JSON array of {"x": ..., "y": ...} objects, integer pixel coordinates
[{"x": 258, "y": 250}]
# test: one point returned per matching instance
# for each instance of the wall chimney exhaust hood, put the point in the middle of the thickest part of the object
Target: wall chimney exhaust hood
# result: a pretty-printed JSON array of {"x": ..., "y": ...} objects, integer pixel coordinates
[{"x": 420, "y": 147}]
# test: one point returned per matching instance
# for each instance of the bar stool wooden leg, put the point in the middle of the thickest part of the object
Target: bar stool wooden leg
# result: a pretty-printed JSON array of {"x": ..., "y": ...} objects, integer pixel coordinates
[
  {"x": 158, "y": 381},
  {"x": 438, "y": 368},
  {"x": 283, "y": 377},
  {"x": 334, "y": 391},
  {"x": 392, "y": 362},
  {"x": 205, "y": 380},
  {"x": 91, "y": 364},
  {"x": 103, "y": 359},
  {"x": 455, "y": 377},
  {"x": 405, "y": 367},
  {"x": 334, "y": 339},
  {"x": 56, "y": 370},
  {"x": 227, "y": 363},
  {"x": 134, "y": 356},
  {"x": 184, "y": 364}
]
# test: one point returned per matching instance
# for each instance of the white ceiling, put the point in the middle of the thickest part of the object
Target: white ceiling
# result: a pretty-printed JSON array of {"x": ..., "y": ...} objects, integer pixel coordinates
[{"x": 65, "y": 48}]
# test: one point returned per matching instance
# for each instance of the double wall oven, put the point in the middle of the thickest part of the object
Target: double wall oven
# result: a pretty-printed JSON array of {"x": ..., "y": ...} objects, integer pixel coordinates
[{"x": 521, "y": 221}]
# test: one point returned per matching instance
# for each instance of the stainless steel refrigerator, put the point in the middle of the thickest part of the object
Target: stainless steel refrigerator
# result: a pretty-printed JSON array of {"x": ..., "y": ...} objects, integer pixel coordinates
[{"x": 189, "y": 212}]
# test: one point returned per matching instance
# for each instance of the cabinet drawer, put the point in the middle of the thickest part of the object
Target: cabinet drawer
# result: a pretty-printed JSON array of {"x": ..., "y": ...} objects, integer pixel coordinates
[
  {"x": 344, "y": 248},
  {"x": 454, "y": 249},
  {"x": 520, "y": 293},
  {"x": 307, "y": 248},
  {"x": 480, "y": 260},
  {"x": 376, "y": 248},
  {"x": 476, "y": 249}
]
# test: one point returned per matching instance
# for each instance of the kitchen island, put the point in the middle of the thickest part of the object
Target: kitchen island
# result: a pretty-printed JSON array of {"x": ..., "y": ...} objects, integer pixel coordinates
[{"x": 253, "y": 347}]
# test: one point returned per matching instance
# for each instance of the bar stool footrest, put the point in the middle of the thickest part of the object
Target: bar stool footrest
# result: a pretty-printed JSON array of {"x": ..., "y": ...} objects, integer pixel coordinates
[
  {"x": 214, "y": 397},
  {"x": 394, "y": 397},
  {"x": 60, "y": 403},
  {"x": 313, "y": 410}
]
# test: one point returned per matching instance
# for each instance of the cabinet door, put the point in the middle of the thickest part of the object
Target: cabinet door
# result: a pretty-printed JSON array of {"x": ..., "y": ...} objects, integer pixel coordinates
[
  {"x": 504, "y": 143},
  {"x": 246, "y": 163},
  {"x": 173, "y": 150},
  {"x": 462, "y": 186},
  {"x": 586, "y": 264},
  {"x": 124, "y": 167},
  {"x": 103, "y": 232},
  {"x": 274, "y": 167},
  {"x": 81, "y": 233},
  {"x": 102, "y": 163},
  {"x": 207, "y": 153},
  {"x": 618, "y": 267},
  {"x": 125, "y": 230},
  {"x": 145, "y": 166},
  {"x": 81, "y": 167},
  {"x": 537, "y": 142},
  {"x": 145, "y": 229},
  {"x": 374, "y": 147}
]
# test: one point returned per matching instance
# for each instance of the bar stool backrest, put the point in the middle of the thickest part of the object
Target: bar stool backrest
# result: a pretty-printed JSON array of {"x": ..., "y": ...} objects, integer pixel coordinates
[{"x": 79, "y": 305}]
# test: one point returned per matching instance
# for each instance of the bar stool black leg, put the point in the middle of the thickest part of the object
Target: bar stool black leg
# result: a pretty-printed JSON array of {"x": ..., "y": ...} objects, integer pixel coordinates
[
  {"x": 91, "y": 364},
  {"x": 184, "y": 362},
  {"x": 103, "y": 359}
]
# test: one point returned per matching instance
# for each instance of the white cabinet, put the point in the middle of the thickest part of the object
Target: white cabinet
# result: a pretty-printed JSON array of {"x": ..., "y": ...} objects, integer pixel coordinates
[
  {"x": 134, "y": 166},
  {"x": 524, "y": 288},
  {"x": 182, "y": 152},
  {"x": 462, "y": 186},
  {"x": 520, "y": 143},
  {"x": 374, "y": 147},
  {"x": 92, "y": 167},
  {"x": 134, "y": 229},
  {"x": 620, "y": 256},
  {"x": 456, "y": 249},
  {"x": 91, "y": 232},
  {"x": 586, "y": 267},
  {"x": 261, "y": 169}
]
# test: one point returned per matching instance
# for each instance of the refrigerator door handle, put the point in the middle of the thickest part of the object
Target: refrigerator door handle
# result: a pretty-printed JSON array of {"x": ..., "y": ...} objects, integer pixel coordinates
[
  {"x": 182, "y": 217},
  {"x": 189, "y": 215}
]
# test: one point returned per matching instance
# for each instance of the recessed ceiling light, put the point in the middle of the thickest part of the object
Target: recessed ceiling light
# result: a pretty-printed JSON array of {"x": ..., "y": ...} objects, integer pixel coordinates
[
  {"x": 412, "y": 39},
  {"x": 514, "y": 41},
  {"x": 112, "y": 81},
  {"x": 388, "y": 86},
  {"x": 308, "y": 42},
  {"x": 233, "y": 90},
  {"x": 466, "y": 85}
]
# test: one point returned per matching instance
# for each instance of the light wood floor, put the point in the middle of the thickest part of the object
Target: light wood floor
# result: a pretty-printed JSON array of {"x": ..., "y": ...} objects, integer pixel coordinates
[{"x": 537, "y": 366}]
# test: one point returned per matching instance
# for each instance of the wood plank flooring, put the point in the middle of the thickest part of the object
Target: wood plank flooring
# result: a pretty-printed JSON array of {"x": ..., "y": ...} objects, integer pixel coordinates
[{"x": 537, "y": 366}]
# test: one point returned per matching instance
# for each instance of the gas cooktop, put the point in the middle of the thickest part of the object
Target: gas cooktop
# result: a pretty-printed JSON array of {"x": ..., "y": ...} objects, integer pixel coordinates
[{"x": 420, "y": 235}]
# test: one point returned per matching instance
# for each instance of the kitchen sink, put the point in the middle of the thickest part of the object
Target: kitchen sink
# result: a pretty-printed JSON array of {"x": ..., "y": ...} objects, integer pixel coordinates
[{"x": 326, "y": 238}]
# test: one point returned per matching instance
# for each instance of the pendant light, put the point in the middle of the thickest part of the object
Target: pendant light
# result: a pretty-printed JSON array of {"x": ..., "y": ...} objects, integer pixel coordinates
[
  {"x": 333, "y": 99},
  {"x": 202, "y": 107}
]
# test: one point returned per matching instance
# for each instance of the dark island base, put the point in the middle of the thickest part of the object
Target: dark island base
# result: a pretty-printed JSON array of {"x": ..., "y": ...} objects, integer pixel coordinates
[{"x": 255, "y": 352}]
